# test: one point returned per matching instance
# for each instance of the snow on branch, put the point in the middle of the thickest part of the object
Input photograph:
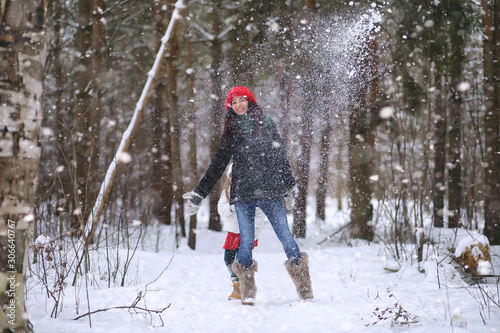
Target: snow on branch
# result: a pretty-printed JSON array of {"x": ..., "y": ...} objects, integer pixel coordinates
[
  {"x": 121, "y": 153},
  {"x": 205, "y": 33},
  {"x": 223, "y": 33}
]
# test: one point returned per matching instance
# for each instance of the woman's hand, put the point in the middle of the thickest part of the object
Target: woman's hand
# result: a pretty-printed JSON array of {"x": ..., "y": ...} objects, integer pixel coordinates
[{"x": 194, "y": 202}]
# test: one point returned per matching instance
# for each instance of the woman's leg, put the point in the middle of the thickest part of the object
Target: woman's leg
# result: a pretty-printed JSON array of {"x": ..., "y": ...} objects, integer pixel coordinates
[
  {"x": 245, "y": 211},
  {"x": 276, "y": 213},
  {"x": 297, "y": 264},
  {"x": 229, "y": 257}
]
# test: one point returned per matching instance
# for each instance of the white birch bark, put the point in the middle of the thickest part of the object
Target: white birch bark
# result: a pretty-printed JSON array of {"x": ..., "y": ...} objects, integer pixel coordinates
[{"x": 23, "y": 42}]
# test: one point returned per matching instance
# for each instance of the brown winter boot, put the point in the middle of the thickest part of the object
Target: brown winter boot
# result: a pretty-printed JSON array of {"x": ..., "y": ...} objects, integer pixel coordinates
[
  {"x": 300, "y": 276},
  {"x": 236, "y": 291},
  {"x": 248, "y": 289}
]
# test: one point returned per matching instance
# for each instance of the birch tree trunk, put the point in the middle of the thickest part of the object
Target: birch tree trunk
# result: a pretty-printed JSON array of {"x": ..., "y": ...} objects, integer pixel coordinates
[{"x": 23, "y": 41}]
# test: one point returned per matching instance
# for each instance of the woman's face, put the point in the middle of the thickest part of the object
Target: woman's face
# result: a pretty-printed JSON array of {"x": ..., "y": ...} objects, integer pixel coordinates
[{"x": 239, "y": 105}]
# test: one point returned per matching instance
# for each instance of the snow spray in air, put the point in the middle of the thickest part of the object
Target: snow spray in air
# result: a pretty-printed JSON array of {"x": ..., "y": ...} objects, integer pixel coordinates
[{"x": 340, "y": 43}]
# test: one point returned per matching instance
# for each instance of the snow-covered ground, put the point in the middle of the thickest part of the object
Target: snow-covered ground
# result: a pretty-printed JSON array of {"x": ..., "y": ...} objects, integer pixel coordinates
[{"x": 352, "y": 292}]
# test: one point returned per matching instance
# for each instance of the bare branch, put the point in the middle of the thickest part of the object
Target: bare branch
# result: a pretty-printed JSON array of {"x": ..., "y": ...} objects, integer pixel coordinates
[
  {"x": 205, "y": 33},
  {"x": 223, "y": 33},
  {"x": 133, "y": 306},
  {"x": 141, "y": 296}
]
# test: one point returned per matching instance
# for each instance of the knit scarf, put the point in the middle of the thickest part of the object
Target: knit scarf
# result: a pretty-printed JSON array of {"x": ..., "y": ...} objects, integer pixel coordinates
[{"x": 246, "y": 125}]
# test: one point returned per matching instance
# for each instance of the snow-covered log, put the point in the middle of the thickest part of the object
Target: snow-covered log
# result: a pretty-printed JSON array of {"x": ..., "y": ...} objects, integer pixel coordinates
[
  {"x": 121, "y": 153},
  {"x": 472, "y": 252}
]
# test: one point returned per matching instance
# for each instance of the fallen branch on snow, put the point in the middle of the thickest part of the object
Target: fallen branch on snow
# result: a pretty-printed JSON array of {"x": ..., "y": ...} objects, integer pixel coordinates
[
  {"x": 336, "y": 232},
  {"x": 130, "y": 307},
  {"x": 137, "y": 309}
]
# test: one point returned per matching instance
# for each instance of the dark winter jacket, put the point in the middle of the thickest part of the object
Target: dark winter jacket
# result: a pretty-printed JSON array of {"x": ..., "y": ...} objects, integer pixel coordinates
[{"x": 260, "y": 167}]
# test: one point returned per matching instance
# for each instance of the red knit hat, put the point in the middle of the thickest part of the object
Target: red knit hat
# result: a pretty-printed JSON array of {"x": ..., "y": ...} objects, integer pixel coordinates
[{"x": 239, "y": 91}]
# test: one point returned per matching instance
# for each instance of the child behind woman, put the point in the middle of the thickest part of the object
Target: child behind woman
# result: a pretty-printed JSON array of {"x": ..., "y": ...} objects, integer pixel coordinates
[{"x": 232, "y": 243}]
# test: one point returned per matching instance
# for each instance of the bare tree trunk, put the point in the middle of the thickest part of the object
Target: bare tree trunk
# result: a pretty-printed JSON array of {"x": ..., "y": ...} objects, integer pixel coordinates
[
  {"x": 455, "y": 186},
  {"x": 284, "y": 75},
  {"x": 340, "y": 182},
  {"x": 173, "y": 116},
  {"x": 491, "y": 61},
  {"x": 285, "y": 94},
  {"x": 23, "y": 39},
  {"x": 94, "y": 130},
  {"x": 455, "y": 170},
  {"x": 87, "y": 128},
  {"x": 162, "y": 162},
  {"x": 438, "y": 190},
  {"x": 60, "y": 133},
  {"x": 359, "y": 170},
  {"x": 305, "y": 142},
  {"x": 162, "y": 180},
  {"x": 362, "y": 129},
  {"x": 81, "y": 136},
  {"x": 216, "y": 110},
  {"x": 323, "y": 168},
  {"x": 193, "y": 165}
]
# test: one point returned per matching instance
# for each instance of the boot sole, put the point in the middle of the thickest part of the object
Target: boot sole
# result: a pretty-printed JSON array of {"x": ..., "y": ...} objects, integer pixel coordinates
[{"x": 248, "y": 302}]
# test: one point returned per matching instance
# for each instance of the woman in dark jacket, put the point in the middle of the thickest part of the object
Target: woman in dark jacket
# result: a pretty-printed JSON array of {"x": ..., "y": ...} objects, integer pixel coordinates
[{"x": 261, "y": 178}]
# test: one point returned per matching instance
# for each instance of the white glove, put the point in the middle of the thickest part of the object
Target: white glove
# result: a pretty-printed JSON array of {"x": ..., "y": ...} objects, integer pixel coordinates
[
  {"x": 194, "y": 202},
  {"x": 290, "y": 197}
]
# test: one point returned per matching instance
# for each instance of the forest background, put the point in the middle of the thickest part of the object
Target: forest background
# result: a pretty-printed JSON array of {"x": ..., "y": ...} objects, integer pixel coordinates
[{"x": 395, "y": 102}]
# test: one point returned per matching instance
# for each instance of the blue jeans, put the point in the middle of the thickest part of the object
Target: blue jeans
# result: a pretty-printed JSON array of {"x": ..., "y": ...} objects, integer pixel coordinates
[{"x": 274, "y": 209}]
